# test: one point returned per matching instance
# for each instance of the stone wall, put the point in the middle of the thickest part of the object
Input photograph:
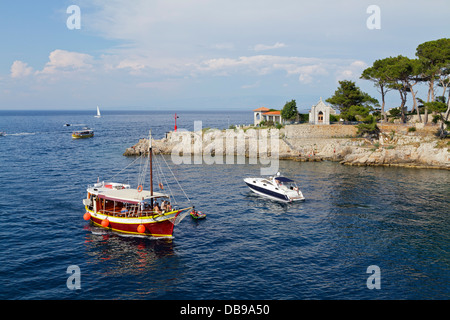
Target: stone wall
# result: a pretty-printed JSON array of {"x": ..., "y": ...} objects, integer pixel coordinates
[
  {"x": 421, "y": 129},
  {"x": 319, "y": 131}
]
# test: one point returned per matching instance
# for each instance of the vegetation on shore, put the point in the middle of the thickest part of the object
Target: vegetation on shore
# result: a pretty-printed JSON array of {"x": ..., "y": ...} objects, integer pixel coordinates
[{"x": 400, "y": 74}]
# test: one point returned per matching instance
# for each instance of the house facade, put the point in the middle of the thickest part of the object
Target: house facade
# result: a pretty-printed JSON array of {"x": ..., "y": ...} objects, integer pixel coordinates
[{"x": 263, "y": 114}]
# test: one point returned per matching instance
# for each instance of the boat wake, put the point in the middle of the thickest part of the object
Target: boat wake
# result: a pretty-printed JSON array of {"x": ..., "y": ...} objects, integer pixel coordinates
[{"x": 21, "y": 134}]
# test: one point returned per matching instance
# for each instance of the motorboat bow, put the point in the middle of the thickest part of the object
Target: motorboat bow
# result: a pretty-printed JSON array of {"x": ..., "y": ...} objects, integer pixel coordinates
[{"x": 276, "y": 188}]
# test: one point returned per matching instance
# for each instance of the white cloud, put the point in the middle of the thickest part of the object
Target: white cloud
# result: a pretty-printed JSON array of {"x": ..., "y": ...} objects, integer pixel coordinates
[
  {"x": 350, "y": 72},
  {"x": 62, "y": 61},
  {"x": 134, "y": 66},
  {"x": 306, "y": 69},
  {"x": 20, "y": 69},
  {"x": 262, "y": 47}
]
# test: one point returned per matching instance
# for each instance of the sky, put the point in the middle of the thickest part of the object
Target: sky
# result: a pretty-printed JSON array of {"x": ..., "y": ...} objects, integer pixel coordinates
[{"x": 201, "y": 54}]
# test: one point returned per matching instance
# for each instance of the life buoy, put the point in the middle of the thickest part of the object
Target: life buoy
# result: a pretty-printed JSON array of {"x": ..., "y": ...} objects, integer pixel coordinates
[
  {"x": 141, "y": 228},
  {"x": 139, "y": 189},
  {"x": 161, "y": 186}
]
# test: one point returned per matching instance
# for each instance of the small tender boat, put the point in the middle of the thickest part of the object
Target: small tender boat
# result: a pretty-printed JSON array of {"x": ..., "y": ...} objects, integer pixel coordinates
[
  {"x": 133, "y": 211},
  {"x": 197, "y": 214},
  {"x": 277, "y": 188},
  {"x": 2, "y": 133},
  {"x": 82, "y": 134}
]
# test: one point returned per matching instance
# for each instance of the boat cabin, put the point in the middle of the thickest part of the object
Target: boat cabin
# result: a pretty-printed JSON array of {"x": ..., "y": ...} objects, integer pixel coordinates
[
  {"x": 118, "y": 200},
  {"x": 287, "y": 183}
]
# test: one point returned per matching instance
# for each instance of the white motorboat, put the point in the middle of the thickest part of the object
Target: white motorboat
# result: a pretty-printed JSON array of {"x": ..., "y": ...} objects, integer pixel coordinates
[{"x": 277, "y": 188}]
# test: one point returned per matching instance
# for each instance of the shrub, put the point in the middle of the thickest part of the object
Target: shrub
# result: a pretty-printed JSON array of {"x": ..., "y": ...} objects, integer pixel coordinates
[
  {"x": 334, "y": 118},
  {"x": 368, "y": 127}
]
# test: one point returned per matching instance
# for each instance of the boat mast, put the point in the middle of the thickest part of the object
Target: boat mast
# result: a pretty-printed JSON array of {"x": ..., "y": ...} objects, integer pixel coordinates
[{"x": 151, "y": 167}]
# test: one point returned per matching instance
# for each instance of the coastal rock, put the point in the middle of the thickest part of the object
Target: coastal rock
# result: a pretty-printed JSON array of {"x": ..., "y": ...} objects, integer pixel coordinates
[{"x": 393, "y": 148}]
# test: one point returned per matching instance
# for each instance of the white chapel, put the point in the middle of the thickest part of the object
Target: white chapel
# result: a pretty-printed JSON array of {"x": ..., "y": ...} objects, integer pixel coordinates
[{"x": 320, "y": 113}]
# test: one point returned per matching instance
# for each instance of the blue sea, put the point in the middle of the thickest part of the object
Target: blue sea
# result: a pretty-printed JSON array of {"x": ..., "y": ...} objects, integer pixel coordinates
[{"x": 248, "y": 248}]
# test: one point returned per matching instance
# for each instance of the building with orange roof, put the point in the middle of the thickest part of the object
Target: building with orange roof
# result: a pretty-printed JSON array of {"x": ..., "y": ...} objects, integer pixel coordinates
[
  {"x": 274, "y": 116},
  {"x": 258, "y": 115},
  {"x": 264, "y": 114}
]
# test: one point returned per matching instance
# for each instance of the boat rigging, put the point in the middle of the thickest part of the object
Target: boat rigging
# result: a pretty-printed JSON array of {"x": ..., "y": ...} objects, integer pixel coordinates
[{"x": 119, "y": 207}]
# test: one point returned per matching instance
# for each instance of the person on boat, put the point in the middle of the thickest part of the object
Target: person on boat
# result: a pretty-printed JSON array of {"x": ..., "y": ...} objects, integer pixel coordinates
[
  {"x": 156, "y": 208},
  {"x": 124, "y": 210}
]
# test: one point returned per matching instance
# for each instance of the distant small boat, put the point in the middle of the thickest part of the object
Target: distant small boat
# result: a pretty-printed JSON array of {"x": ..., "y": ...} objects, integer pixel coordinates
[
  {"x": 2, "y": 133},
  {"x": 82, "y": 134},
  {"x": 98, "y": 113},
  {"x": 67, "y": 125}
]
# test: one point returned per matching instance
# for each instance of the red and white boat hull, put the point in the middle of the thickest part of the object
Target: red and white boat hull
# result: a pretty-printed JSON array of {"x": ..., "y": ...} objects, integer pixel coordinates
[{"x": 159, "y": 226}]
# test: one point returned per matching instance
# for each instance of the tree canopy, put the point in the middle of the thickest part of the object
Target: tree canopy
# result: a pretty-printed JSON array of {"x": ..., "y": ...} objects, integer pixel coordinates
[
  {"x": 431, "y": 67},
  {"x": 289, "y": 111},
  {"x": 348, "y": 94},
  {"x": 378, "y": 75}
]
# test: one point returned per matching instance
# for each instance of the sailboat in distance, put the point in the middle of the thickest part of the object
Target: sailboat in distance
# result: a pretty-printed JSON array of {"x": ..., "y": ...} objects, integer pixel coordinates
[{"x": 98, "y": 113}]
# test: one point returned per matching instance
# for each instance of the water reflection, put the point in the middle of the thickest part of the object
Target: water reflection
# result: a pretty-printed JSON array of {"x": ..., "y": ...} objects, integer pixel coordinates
[{"x": 126, "y": 255}]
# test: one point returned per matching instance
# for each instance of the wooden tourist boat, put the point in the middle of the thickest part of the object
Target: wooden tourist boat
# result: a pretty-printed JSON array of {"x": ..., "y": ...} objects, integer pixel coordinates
[
  {"x": 118, "y": 207},
  {"x": 82, "y": 134}
]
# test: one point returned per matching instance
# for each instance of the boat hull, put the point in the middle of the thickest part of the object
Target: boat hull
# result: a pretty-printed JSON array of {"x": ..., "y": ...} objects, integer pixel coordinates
[
  {"x": 268, "y": 193},
  {"x": 160, "y": 226},
  {"x": 75, "y": 136},
  {"x": 273, "y": 194}
]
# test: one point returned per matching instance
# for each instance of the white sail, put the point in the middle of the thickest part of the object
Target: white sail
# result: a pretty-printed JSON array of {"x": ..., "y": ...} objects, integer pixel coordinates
[{"x": 98, "y": 113}]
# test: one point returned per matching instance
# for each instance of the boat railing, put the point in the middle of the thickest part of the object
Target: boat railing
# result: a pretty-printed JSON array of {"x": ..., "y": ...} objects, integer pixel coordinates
[{"x": 135, "y": 212}]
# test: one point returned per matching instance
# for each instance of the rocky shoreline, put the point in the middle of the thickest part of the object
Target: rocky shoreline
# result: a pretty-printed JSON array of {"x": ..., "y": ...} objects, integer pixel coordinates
[{"x": 396, "y": 146}]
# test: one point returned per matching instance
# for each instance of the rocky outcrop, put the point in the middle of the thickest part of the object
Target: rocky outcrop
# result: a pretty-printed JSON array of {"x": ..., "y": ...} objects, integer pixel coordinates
[
  {"x": 393, "y": 148},
  {"x": 406, "y": 152}
]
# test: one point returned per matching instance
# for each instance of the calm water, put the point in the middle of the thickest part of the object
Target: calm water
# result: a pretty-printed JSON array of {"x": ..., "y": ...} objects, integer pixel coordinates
[{"x": 247, "y": 248}]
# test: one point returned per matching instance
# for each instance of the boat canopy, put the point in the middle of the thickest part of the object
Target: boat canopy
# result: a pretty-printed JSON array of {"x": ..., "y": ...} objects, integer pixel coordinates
[
  {"x": 283, "y": 179},
  {"x": 129, "y": 195}
]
